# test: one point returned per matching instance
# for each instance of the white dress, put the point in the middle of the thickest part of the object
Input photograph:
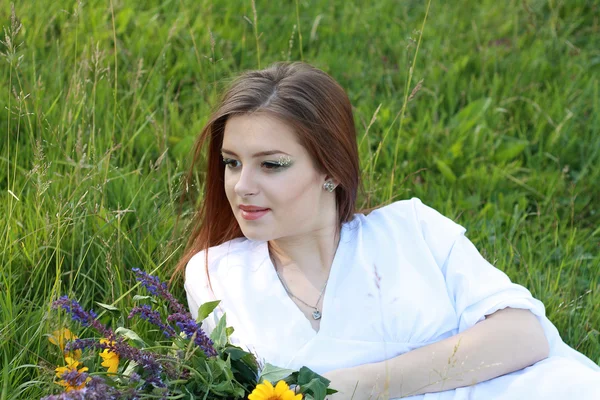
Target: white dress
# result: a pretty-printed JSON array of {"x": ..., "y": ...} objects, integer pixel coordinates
[{"x": 403, "y": 277}]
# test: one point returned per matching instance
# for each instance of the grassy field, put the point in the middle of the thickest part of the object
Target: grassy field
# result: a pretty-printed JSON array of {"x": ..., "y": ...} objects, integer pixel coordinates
[{"x": 101, "y": 102}]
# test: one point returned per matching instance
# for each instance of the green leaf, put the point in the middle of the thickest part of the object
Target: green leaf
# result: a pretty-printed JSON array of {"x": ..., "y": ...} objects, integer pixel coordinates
[
  {"x": 306, "y": 375},
  {"x": 122, "y": 19},
  {"x": 245, "y": 367},
  {"x": 466, "y": 118},
  {"x": 509, "y": 150},
  {"x": 205, "y": 309},
  {"x": 457, "y": 148},
  {"x": 229, "y": 330},
  {"x": 316, "y": 387},
  {"x": 250, "y": 361},
  {"x": 274, "y": 374},
  {"x": 131, "y": 365},
  {"x": 235, "y": 353},
  {"x": 445, "y": 170},
  {"x": 138, "y": 297},
  {"x": 224, "y": 386},
  {"x": 314, "y": 384},
  {"x": 107, "y": 306},
  {"x": 129, "y": 334},
  {"x": 219, "y": 334},
  {"x": 182, "y": 147}
]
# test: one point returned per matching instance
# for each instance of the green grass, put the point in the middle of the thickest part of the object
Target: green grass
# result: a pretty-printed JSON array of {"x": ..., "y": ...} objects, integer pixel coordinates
[{"x": 101, "y": 102}]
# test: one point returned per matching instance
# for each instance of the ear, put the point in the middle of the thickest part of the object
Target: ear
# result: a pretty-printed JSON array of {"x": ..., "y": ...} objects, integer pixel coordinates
[{"x": 330, "y": 178}]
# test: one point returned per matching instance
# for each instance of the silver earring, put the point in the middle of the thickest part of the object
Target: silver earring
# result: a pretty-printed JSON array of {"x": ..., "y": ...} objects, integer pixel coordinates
[{"x": 329, "y": 186}]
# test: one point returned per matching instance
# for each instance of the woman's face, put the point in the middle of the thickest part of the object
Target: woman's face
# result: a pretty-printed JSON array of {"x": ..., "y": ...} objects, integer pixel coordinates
[{"x": 270, "y": 181}]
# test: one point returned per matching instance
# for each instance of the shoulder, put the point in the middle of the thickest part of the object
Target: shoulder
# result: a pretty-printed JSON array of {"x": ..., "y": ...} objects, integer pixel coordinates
[
  {"x": 403, "y": 209},
  {"x": 411, "y": 215},
  {"x": 196, "y": 268},
  {"x": 411, "y": 221},
  {"x": 410, "y": 212}
]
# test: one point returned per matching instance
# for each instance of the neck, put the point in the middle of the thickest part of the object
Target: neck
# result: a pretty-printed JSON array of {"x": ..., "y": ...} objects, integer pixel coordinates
[{"x": 310, "y": 254}]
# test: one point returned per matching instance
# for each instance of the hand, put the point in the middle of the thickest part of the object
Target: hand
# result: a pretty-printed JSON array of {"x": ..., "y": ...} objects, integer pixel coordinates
[{"x": 351, "y": 383}]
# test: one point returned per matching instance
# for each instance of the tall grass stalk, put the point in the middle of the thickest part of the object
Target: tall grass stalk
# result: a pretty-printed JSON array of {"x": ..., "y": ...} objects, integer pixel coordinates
[
  {"x": 402, "y": 110},
  {"x": 102, "y": 103},
  {"x": 299, "y": 30},
  {"x": 256, "y": 36}
]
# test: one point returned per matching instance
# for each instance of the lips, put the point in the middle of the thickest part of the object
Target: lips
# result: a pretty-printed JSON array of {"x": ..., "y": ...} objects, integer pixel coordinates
[
  {"x": 244, "y": 207},
  {"x": 252, "y": 213}
]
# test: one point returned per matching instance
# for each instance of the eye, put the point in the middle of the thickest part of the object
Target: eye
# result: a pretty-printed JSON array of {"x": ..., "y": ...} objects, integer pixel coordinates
[
  {"x": 282, "y": 163},
  {"x": 272, "y": 165},
  {"x": 231, "y": 163}
]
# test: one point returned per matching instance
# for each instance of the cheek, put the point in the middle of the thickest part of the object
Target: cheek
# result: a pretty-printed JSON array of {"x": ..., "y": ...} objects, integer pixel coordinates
[
  {"x": 229, "y": 185},
  {"x": 298, "y": 193}
]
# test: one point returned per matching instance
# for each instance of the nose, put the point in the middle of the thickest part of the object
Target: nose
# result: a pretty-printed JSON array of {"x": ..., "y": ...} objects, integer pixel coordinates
[{"x": 246, "y": 184}]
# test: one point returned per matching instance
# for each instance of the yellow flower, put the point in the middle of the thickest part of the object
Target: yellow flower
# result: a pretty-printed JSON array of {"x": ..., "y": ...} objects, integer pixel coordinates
[
  {"x": 71, "y": 366},
  {"x": 111, "y": 360},
  {"x": 266, "y": 391},
  {"x": 59, "y": 337}
]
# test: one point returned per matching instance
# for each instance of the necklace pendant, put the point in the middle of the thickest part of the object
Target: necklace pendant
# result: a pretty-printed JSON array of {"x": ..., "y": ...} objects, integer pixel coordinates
[{"x": 316, "y": 314}]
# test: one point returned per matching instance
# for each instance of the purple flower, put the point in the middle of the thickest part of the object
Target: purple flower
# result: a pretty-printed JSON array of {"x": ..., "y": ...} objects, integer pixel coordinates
[
  {"x": 74, "y": 378},
  {"x": 148, "y": 361},
  {"x": 158, "y": 288},
  {"x": 80, "y": 344},
  {"x": 85, "y": 318},
  {"x": 134, "y": 377},
  {"x": 152, "y": 368},
  {"x": 188, "y": 326},
  {"x": 181, "y": 316},
  {"x": 152, "y": 316},
  {"x": 96, "y": 389}
]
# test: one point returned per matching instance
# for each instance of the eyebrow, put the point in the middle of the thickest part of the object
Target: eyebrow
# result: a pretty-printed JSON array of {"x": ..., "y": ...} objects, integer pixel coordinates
[{"x": 259, "y": 154}]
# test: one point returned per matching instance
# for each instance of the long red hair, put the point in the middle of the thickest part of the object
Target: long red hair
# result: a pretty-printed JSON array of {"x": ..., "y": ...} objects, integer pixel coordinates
[{"x": 318, "y": 109}]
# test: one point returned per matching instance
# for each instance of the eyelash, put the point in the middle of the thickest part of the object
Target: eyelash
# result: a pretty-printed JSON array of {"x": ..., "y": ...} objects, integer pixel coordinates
[{"x": 269, "y": 165}]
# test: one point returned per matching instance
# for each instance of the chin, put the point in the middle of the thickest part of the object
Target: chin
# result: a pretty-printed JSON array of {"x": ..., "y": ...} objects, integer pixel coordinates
[
  {"x": 257, "y": 235},
  {"x": 257, "y": 238}
]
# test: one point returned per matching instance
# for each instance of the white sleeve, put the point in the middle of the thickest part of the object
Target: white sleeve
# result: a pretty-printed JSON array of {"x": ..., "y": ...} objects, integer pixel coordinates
[
  {"x": 475, "y": 286},
  {"x": 198, "y": 291}
]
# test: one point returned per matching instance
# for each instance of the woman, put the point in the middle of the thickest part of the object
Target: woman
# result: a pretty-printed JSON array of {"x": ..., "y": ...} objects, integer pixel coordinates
[{"x": 396, "y": 303}]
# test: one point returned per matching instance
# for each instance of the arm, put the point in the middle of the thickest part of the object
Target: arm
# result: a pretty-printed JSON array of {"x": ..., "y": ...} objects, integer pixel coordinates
[{"x": 506, "y": 341}]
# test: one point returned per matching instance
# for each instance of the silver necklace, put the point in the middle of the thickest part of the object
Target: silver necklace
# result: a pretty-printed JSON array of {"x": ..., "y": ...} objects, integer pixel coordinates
[{"x": 316, "y": 314}]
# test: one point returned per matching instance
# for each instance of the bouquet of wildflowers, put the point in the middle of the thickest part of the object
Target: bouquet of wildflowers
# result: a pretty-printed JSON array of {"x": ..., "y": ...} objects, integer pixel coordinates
[{"x": 184, "y": 363}]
